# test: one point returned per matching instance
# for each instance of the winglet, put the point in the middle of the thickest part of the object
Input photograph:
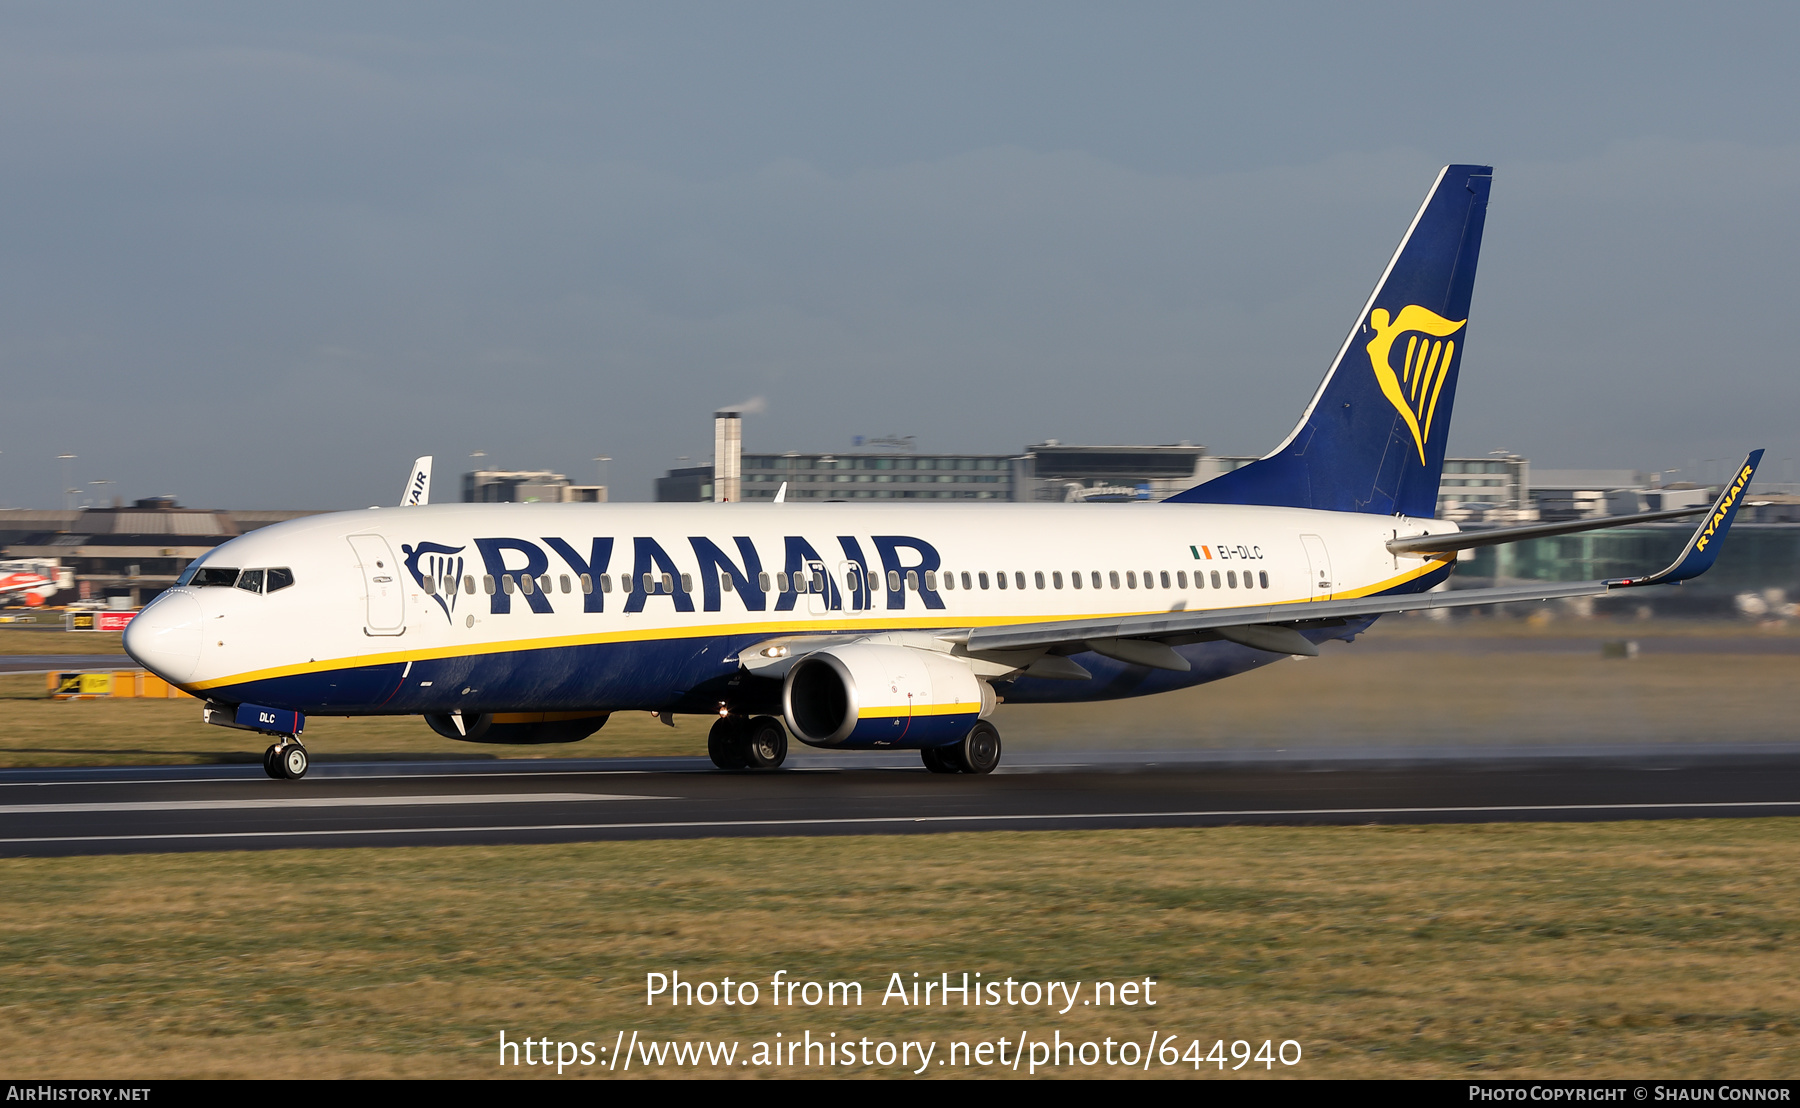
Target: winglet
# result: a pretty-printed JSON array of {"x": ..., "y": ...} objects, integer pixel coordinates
[
  {"x": 418, "y": 485},
  {"x": 1703, "y": 548}
]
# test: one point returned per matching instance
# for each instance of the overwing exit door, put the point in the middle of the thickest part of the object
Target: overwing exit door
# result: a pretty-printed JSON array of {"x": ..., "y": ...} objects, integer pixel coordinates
[
  {"x": 819, "y": 589},
  {"x": 382, "y": 580}
]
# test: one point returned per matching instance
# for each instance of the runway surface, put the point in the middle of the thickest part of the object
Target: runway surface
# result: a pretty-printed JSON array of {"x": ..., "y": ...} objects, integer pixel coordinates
[
  {"x": 60, "y": 663},
  {"x": 183, "y": 808}
]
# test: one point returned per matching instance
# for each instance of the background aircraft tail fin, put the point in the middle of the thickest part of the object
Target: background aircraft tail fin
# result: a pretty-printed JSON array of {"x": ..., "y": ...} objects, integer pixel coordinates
[
  {"x": 418, "y": 484},
  {"x": 1372, "y": 440}
]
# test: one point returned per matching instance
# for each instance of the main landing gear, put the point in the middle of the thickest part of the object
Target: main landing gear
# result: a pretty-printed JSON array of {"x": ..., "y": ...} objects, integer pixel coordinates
[
  {"x": 976, "y": 752},
  {"x": 754, "y": 744},
  {"x": 286, "y": 760}
]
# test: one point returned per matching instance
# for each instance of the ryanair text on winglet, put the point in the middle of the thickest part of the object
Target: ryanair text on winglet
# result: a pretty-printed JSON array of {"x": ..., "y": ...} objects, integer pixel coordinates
[{"x": 1724, "y": 508}]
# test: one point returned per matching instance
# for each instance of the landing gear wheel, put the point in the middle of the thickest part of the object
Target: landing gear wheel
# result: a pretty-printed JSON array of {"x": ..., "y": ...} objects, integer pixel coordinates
[
  {"x": 764, "y": 743},
  {"x": 292, "y": 761},
  {"x": 979, "y": 751},
  {"x": 726, "y": 744},
  {"x": 936, "y": 761},
  {"x": 270, "y": 765}
]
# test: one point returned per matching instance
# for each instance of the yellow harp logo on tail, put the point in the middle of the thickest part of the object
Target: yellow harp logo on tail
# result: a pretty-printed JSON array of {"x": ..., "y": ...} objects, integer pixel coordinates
[{"x": 1413, "y": 390}]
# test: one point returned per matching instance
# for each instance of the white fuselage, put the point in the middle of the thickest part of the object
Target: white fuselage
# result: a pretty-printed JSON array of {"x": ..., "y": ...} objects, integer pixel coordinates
[{"x": 426, "y": 609}]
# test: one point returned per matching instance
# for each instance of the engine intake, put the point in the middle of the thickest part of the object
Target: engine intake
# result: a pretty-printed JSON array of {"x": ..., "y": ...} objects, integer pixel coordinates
[{"x": 878, "y": 695}]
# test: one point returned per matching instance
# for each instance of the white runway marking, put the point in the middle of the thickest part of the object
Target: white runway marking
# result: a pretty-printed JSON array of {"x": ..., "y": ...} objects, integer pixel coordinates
[
  {"x": 1698, "y": 808},
  {"x": 279, "y": 802}
]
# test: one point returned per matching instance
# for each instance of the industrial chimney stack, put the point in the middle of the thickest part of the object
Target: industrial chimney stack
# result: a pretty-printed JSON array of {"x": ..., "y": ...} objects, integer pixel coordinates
[{"x": 728, "y": 455}]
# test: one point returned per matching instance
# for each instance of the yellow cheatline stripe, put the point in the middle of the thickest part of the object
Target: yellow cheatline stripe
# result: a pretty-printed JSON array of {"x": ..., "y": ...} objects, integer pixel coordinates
[
  {"x": 841, "y": 623},
  {"x": 918, "y": 710}
]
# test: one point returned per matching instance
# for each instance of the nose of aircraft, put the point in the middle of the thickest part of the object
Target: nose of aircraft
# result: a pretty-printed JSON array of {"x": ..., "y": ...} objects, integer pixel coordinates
[{"x": 164, "y": 638}]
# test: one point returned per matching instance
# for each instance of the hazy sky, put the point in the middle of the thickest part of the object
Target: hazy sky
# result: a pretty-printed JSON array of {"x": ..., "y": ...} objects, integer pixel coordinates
[{"x": 263, "y": 258}]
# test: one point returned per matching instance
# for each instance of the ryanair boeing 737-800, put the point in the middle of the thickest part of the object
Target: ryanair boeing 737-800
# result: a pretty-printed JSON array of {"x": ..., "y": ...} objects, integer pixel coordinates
[{"x": 861, "y": 627}]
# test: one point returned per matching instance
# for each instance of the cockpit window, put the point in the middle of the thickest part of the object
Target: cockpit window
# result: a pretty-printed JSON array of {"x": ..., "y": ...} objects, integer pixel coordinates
[{"x": 250, "y": 580}]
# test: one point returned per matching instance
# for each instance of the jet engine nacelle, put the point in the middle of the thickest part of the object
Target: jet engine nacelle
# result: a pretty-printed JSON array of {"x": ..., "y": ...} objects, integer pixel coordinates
[
  {"x": 518, "y": 728},
  {"x": 876, "y": 695}
]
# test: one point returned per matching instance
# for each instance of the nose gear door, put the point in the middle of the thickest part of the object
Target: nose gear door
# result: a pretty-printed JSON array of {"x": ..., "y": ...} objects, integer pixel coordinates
[{"x": 382, "y": 580}]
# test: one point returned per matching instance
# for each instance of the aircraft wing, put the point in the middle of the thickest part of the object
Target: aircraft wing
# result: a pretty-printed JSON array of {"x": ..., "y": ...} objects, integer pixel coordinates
[
  {"x": 1272, "y": 626},
  {"x": 1451, "y": 541}
]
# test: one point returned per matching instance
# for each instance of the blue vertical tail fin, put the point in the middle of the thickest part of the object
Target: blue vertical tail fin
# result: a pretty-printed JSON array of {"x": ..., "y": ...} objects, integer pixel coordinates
[{"x": 1372, "y": 440}]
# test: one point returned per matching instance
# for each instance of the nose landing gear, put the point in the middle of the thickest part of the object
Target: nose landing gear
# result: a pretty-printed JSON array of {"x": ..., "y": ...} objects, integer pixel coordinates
[{"x": 286, "y": 760}]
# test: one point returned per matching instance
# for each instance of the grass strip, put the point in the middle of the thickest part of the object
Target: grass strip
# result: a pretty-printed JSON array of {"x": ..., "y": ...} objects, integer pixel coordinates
[{"x": 1578, "y": 950}]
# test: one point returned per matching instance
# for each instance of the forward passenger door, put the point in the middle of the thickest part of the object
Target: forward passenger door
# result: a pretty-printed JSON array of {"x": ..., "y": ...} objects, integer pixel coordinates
[{"x": 384, "y": 584}]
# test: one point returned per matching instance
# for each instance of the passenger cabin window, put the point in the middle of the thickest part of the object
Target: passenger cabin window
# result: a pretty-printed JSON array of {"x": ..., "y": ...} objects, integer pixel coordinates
[
  {"x": 1097, "y": 580},
  {"x": 565, "y": 583},
  {"x": 984, "y": 580},
  {"x": 1113, "y": 576},
  {"x": 931, "y": 580},
  {"x": 1262, "y": 576},
  {"x": 468, "y": 584},
  {"x": 912, "y": 580},
  {"x": 965, "y": 581},
  {"x": 587, "y": 584},
  {"x": 1215, "y": 579},
  {"x": 763, "y": 581},
  {"x": 487, "y": 584},
  {"x": 605, "y": 583},
  {"x": 1075, "y": 579},
  {"x": 893, "y": 580},
  {"x": 1056, "y": 578},
  {"x": 1165, "y": 578},
  {"x": 1231, "y": 578},
  {"x": 1000, "y": 579},
  {"x": 948, "y": 583},
  {"x": 1181, "y": 578},
  {"x": 1019, "y": 579},
  {"x": 1130, "y": 579}
]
